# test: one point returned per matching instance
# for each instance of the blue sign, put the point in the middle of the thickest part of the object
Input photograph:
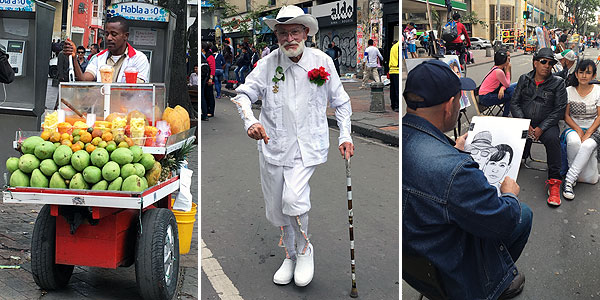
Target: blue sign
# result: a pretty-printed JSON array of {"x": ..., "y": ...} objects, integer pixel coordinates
[
  {"x": 205, "y": 3},
  {"x": 138, "y": 11},
  {"x": 17, "y": 5}
]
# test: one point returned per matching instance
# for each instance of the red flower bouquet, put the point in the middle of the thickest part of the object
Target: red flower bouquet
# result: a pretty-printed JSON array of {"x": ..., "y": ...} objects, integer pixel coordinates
[{"x": 318, "y": 76}]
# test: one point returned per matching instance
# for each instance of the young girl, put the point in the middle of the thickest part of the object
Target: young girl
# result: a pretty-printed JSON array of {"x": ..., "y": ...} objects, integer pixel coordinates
[{"x": 581, "y": 115}]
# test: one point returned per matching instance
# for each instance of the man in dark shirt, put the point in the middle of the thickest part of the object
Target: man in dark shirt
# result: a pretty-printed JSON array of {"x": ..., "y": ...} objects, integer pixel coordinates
[{"x": 338, "y": 54}]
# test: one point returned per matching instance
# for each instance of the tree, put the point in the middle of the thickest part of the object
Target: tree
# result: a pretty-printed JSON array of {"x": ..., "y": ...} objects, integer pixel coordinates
[
  {"x": 581, "y": 12},
  {"x": 249, "y": 24},
  {"x": 178, "y": 92}
]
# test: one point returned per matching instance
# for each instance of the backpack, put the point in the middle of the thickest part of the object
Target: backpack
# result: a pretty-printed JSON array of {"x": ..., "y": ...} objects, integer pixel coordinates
[{"x": 449, "y": 32}]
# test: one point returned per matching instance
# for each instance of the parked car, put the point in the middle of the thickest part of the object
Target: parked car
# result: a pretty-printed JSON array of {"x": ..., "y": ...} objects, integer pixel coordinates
[{"x": 479, "y": 43}]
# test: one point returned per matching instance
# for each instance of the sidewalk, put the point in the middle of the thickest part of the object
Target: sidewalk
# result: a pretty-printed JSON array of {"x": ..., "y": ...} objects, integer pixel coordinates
[
  {"x": 478, "y": 55},
  {"x": 381, "y": 126}
]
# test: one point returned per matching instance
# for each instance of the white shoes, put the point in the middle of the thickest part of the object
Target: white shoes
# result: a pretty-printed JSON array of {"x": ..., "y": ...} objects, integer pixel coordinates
[
  {"x": 285, "y": 273},
  {"x": 305, "y": 267}
]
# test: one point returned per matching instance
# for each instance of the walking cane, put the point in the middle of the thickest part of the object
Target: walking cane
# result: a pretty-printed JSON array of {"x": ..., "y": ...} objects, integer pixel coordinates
[{"x": 354, "y": 291}]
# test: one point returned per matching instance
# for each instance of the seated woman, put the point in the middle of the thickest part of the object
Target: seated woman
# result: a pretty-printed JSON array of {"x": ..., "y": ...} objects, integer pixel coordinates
[
  {"x": 496, "y": 87},
  {"x": 581, "y": 115}
]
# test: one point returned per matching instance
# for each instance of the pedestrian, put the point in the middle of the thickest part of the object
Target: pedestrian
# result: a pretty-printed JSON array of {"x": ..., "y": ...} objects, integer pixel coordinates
[
  {"x": 394, "y": 65},
  {"x": 7, "y": 74},
  {"x": 293, "y": 137},
  {"x": 542, "y": 98},
  {"x": 219, "y": 64},
  {"x": 119, "y": 54},
  {"x": 496, "y": 87},
  {"x": 228, "y": 56},
  {"x": 330, "y": 52},
  {"x": 193, "y": 80},
  {"x": 370, "y": 64},
  {"x": 581, "y": 115},
  {"x": 567, "y": 59},
  {"x": 336, "y": 60},
  {"x": 404, "y": 46},
  {"x": 462, "y": 42},
  {"x": 255, "y": 56},
  {"x": 81, "y": 60},
  {"x": 228, "y": 44},
  {"x": 204, "y": 78},
  {"x": 411, "y": 38},
  {"x": 265, "y": 51},
  {"x": 468, "y": 230},
  {"x": 425, "y": 42},
  {"x": 242, "y": 65},
  {"x": 94, "y": 49},
  {"x": 208, "y": 91}
]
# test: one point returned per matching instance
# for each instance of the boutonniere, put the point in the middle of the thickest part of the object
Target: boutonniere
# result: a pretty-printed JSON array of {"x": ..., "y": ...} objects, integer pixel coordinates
[
  {"x": 277, "y": 78},
  {"x": 318, "y": 76}
]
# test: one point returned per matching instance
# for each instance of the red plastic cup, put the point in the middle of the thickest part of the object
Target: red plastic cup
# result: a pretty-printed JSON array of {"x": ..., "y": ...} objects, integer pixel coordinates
[{"x": 131, "y": 74}]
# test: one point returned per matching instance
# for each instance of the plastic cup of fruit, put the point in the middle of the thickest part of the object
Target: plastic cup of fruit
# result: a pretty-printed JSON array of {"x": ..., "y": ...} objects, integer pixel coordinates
[
  {"x": 106, "y": 73},
  {"x": 131, "y": 74}
]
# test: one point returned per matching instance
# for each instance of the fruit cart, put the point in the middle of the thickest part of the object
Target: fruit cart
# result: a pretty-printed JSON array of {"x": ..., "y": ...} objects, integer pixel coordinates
[{"x": 107, "y": 228}]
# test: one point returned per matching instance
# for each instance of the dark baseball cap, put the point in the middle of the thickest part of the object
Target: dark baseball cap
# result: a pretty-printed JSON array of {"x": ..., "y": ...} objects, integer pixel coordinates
[
  {"x": 544, "y": 53},
  {"x": 435, "y": 82}
]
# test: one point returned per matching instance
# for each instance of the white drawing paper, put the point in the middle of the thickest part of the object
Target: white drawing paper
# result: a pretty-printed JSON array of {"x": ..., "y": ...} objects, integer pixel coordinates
[{"x": 496, "y": 144}]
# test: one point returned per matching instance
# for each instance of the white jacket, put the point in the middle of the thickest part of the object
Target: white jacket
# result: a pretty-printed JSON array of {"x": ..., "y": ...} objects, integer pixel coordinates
[{"x": 297, "y": 112}]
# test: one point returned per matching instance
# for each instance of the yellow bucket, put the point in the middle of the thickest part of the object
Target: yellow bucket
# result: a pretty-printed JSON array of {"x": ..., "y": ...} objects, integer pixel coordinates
[{"x": 185, "y": 226}]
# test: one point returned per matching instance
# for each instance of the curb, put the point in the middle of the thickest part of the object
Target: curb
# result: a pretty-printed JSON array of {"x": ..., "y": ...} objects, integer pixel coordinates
[{"x": 357, "y": 127}]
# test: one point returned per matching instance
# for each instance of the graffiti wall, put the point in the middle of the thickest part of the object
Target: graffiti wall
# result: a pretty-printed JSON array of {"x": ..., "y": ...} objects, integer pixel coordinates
[{"x": 345, "y": 38}]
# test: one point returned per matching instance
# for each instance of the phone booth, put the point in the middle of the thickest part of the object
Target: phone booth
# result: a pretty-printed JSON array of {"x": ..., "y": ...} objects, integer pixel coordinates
[
  {"x": 151, "y": 30},
  {"x": 26, "y": 34}
]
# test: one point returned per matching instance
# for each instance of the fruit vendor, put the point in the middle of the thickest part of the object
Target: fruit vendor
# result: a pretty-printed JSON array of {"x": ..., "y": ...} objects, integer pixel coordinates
[
  {"x": 118, "y": 53},
  {"x": 295, "y": 84}
]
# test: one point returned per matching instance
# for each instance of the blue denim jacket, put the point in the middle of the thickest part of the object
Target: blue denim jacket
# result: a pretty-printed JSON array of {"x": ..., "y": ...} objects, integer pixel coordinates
[{"x": 452, "y": 216}]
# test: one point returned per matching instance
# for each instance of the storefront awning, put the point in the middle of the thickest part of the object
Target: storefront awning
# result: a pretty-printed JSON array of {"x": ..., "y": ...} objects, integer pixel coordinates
[{"x": 419, "y": 6}]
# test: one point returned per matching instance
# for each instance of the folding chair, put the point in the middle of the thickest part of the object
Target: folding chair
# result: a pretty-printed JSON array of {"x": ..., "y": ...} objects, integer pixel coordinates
[
  {"x": 423, "y": 276},
  {"x": 482, "y": 110},
  {"x": 527, "y": 156}
]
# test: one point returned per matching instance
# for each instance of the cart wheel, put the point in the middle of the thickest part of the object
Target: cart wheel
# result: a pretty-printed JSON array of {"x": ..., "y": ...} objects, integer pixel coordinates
[
  {"x": 47, "y": 274},
  {"x": 157, "y": 255}
]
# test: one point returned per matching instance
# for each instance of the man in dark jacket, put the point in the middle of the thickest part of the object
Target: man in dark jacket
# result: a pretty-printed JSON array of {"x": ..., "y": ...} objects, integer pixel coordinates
[
  {"x": 451, "y": 215},
  {"x": 542, "y": 97}
]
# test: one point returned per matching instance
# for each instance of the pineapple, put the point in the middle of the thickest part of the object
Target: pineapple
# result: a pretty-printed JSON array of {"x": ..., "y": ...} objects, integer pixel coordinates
[{"x": 174, "y": 161}]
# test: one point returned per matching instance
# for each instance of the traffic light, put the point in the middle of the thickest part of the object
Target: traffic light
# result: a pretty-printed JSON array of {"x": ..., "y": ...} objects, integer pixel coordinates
[{"x": 525, "y": 14}]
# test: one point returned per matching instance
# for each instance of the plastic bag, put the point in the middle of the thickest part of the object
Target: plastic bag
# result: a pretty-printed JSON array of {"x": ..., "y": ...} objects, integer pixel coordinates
[{"x": 183, "y": 201}]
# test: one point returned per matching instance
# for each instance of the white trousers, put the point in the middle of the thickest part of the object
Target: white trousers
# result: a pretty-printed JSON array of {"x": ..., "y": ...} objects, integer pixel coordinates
[
  {"x": 583, "y": 165},
  {"x": 285, "y": 189}
]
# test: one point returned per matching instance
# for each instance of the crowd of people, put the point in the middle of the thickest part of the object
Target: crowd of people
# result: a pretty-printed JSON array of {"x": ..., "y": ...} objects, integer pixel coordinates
[{"x": 560, "y": 87}]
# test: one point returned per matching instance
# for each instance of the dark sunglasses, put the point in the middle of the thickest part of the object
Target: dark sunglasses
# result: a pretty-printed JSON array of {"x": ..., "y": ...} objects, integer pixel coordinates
[{"x": 547, "y": 61}]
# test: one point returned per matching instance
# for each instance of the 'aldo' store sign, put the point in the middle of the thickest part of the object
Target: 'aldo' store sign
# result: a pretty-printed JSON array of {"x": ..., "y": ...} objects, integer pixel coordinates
[{"x": 336, "y": 13}]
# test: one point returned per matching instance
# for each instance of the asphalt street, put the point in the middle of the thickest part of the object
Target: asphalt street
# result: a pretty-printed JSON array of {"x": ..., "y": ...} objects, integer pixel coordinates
[
  {"x": 560, "y": 260},
  {"x": 244, "y": 243}
]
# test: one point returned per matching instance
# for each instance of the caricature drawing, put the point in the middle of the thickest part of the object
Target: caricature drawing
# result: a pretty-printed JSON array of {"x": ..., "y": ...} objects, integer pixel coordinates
[
  {"x": 494, "y": 144},
  {"x": 497, "y": 166},
  {"x": 481, "y": 147}
]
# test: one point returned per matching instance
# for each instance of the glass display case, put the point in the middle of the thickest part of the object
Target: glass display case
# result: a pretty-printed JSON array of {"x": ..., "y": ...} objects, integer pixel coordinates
[{"x": 79, "y": 99}]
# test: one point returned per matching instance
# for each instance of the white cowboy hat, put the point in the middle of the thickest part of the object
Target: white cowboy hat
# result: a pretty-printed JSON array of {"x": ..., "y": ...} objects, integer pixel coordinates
[{"x": 294, "y": 15}]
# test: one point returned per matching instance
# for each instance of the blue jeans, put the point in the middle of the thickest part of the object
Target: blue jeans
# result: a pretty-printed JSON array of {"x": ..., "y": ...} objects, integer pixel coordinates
[
  {"x": 217, "y": 80},
  {"x": 404, "y": 53},
  {"x": 226, "y": 71},
  {"x": 517, "y": 240},
  {"x": 240, "y": 78},
  {"x": 490, "y": 99}
]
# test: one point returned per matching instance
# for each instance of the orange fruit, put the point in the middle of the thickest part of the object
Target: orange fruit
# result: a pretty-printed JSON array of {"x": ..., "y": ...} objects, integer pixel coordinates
[
  {"x": 46, "y": 135},
  {"x": 65, "y": 136},
  {"x": 80, "y": 144},
  {"x": 90, "y": 148},
  {"x": 129, "y": 141},
  {"x": 76, "y": 147},
  {"x": 107, "y": 136},
  {"x": 66, "y": 142},
  {"x": 96, "y": 140},
  {"x": 85, "y": 137},
  {"x": 97, "y": 133},
  {"x": 55, "y": 137}
]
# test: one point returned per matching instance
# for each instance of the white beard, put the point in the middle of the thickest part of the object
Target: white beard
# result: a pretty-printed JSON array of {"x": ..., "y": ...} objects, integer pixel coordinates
[{"x": 293, "y": 53}]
